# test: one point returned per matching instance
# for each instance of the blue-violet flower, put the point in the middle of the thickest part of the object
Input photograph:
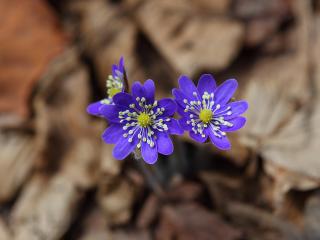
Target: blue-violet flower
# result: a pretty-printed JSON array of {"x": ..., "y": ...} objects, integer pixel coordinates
[
  {"x": 206, "y": 110},
  {"x": 114, "y": 84},
  {"x": 139, "y": 122}
]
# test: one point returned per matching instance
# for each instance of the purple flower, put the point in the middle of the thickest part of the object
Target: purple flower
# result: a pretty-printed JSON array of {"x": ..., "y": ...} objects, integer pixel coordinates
[
  {"x": 206, "y": 110},
  {"x": 138, "y": 122},
  {"x": 114, "y": 84}
]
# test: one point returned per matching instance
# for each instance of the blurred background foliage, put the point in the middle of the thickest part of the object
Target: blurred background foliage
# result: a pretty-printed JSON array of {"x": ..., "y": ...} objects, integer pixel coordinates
[{"x": 58, "y": 180}]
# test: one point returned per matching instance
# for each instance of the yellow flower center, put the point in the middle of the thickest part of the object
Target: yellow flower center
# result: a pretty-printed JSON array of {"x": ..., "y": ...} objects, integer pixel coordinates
[
  {"x": 205, "y": 115},
  {"x": 144, "y": 120},
  {"x": 113, "y": 91}
]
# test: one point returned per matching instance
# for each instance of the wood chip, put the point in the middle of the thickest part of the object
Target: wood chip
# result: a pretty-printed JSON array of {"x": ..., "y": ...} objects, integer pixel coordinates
[{"x": 4, "y": 231}]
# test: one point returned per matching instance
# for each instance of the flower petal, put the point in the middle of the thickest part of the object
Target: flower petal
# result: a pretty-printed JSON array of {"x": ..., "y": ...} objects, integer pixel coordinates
[
  {"x": 174, "y": 127},
  {"x": 169, "y": 106},
  {"x": 149, "y": 90},
  {"x": 123, "y": 147},
  {"x": 225, "y": 91},
  {"x": 179, "y": 97},
  {"x": 164, "y": 144},
  {"x": 198, "y": 137},
  {"x": 181, "y": 112},
  {"x": 187, "y": 87},
  {"x": 124, "y": 99},
  {"x": 94, "y": 108},
  {"x": 236, "y": 108},
  {"x": 149, "y": 154},
  {"x": 121, "y": 64},
  {"x": 138, "y": 90},
  {"x": 237, "y": 123},
  {"x": 111, "y": 112},
  {"x": 114, "y": 70},
  {"x": 220, "y": 142},
  {"x": 206, "y": 84},
  {"x": 184, "y": 125},
  {"x": 112, "y": 134}
]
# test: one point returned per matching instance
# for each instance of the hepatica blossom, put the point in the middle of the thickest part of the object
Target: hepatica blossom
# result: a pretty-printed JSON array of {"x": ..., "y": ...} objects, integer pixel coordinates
[
  {"x": 114, "y": 84},
  {"x": 206, "y": 110},
  {"x": 138, "y": 122}
]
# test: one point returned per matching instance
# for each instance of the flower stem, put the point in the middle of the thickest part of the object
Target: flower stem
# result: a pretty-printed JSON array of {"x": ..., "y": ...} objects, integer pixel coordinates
[{"x": 150, "y": 178}]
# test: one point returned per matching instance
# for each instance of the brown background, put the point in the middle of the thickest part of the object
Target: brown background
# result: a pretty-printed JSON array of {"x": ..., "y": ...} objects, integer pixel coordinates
[{"x": 58, "y": 179}]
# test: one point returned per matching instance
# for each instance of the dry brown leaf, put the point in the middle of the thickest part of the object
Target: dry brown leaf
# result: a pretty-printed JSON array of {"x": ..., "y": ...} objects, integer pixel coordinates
[
  {"x": 282, "y": 134},
  {"x": 248, "y": 9},
  {"x": 312, "y": 217},
  {"x": 221, "y": 188},
  {"x": 60, "y": 108},
  {"x": 214, "y": 6},
  {"x": 95, "y": 226},
  {"x": 45, "y": 209},
  {"x": 116, "y": 201},
  {"x": 182, "y": 35},
  {"x": 18, "y": 154},
  {"x": 134, "y": 235},
  {"x": 106, "y": 34},
  {"x": 260, "y": 224},
  {"x": 110, "y": 168},
  {"x": 69, "y": 153},
  {"x": 284, "y": 113},
  {"x": 4, "y": 231},
  {"x": 29, "y": 40},
  {"x": 190, "y": 221},
  {"x": 149, "y": 211}
]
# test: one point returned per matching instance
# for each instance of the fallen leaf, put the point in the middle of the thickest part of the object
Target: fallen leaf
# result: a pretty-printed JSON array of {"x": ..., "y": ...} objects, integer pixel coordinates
[
  {"x": 19, "y": 153},
  {"x": 182, "y": 36},
  {"x": 190, "y": 221},
  {"x": 29, "y": 39}
]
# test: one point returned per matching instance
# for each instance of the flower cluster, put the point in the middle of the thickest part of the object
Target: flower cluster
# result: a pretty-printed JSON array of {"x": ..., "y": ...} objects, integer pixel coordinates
[{"x": 139, "y": 123}]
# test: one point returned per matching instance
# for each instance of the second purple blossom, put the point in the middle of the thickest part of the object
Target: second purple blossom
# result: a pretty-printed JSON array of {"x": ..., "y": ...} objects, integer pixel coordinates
[{"x": 206, "y": 110}]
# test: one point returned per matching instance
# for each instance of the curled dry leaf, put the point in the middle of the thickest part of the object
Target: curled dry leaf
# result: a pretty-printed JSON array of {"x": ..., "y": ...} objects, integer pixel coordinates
[
  {"x": 45, "y": 209},
  {"x": 284, "y": 113},
  {"x": 183, "y": 35},
  {"x": 275, "y": 129}
]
